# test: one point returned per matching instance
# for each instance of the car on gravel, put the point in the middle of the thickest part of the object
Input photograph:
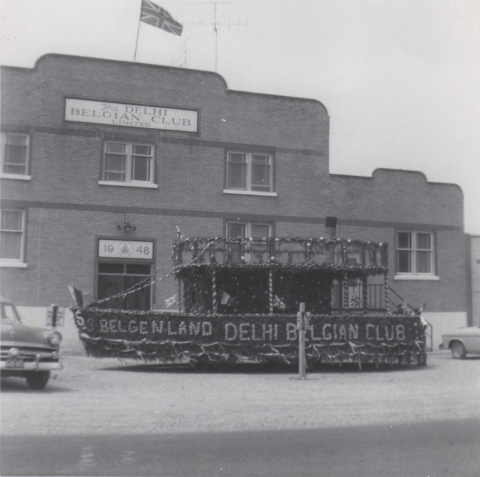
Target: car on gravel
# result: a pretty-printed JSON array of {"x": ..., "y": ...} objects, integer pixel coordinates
[
  {"x": 462, "y": 341},
  {"x": 27, "y": 352}
]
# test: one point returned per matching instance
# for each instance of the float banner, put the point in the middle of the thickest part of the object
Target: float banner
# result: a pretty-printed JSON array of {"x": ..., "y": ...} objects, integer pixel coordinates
[
  {"x": 253, "y": 329},
  {"x": 131, "y": 115}
]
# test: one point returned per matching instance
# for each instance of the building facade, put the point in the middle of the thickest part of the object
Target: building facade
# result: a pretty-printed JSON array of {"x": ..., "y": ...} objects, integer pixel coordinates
[{"x": 103, "y": 161}]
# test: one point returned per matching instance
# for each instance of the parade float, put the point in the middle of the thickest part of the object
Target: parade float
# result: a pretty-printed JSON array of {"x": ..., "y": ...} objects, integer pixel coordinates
[{"x": 238, "y": 301}]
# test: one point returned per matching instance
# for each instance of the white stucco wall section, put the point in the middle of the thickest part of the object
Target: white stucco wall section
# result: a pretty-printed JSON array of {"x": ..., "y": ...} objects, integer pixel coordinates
[{"x": 442, "y": 322}]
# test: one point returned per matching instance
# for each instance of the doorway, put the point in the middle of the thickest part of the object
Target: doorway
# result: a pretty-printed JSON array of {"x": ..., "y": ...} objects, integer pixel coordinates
[{"x": 115, "y": 278}]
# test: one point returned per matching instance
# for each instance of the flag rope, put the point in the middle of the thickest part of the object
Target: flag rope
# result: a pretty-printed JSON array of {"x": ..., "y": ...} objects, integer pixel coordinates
[{"x": 148, "y": 281}]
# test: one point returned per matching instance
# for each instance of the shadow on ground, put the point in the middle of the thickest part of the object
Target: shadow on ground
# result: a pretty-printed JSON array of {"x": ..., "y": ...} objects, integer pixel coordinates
[
  {"x": 256, "y": 368},
  {"x": 19, "y": 385}
]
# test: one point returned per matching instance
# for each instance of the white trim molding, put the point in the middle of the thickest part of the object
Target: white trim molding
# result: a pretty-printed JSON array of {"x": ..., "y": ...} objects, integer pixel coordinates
[
  {"x": 249, "y": 192},
  {"x": 18, "y": 177},
  {"x": 129, "y": 184},
  {"x": 7, "y": 264}
]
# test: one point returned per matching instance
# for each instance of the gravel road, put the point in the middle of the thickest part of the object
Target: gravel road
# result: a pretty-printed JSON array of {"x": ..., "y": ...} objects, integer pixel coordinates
[{"x": 102, "y": 396}]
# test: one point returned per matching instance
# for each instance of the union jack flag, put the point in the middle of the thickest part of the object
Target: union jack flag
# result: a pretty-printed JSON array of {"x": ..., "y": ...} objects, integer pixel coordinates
[
  {"x": 278, "y": 303},
  {"x": 171, "y": 301},
  {"x": 158, "y": 17}
]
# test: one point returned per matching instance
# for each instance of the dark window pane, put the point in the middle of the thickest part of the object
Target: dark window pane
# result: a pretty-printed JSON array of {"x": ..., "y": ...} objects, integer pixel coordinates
[
  {"x": 260, "y": 230},
  {"x": 115, "y": 163},
  {"x": 110, "y": 267},
  {"x": 137, "y": 269},
  {"x": 112, "y": 285},
  {"x": 140, "y": 300},
  {"x": 140, "y": 149},
  {"x": 404, "y": 240},
  {"x": 260, "y": 176},
  {"x": 237, "y": 158},
  {"x": 15, "y": 154},
  {"x": 11, "y": 220},
  {"x": 115, "y": 168},
  {"x": 10, "y": 247},
  {"x": 237, "y": 171},
  {"x": 404, "y": 261},
  {"x": 140, "y": 168},
  {"x": 16, "y": 140},
  {"x": 109, "y": 286},
  {"x": 260, "y": 159},
  {"x": 423, "y": 262},
  {"x": 116, "y": 148},
  {"x": 424, "y": 241},
  {"x": 15, "y": 158},
  {"x": 236, "y": 230},
  {"x": 13, "y": 169}
]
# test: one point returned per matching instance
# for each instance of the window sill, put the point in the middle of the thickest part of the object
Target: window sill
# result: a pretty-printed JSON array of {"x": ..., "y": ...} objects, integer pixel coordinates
[
  {"x": 416, "y": 277},
  {"x": 4, "y": 264},
  {"x": 129, "y": 184},
  {"x": 18, "y": 177},
  {"x": 250, "y": 192}
]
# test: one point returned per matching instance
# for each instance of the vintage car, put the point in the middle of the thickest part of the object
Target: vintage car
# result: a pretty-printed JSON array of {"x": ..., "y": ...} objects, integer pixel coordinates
[
  {"x": 27, "y": 352},
  {"x": 462, "y": 341}
]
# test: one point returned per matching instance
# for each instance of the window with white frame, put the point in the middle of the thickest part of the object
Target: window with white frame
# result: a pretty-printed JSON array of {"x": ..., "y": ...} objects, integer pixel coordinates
[
  {"x": 249, "y": 172},
  {"x": 248, "y": 229},
  {"x": 12, "y": 235},
  {"x": 129, "y": 163},
  {"x": 415, "y": 253},
  {"x": 15, "y": 154}
]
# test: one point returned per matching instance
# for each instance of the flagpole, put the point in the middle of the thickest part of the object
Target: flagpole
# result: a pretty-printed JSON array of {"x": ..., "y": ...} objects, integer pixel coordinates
[{"x": 138, "y": 31}]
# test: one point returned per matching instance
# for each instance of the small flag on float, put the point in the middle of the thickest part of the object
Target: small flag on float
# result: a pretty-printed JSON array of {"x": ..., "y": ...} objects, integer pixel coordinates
[
  {"x": 158, "y": 17},
  {"x": 277, "y": 303},
  {"x": 77, "y": 295},
  {"x": 227, "y": 299},
  {"x": 171, "y": 301}
]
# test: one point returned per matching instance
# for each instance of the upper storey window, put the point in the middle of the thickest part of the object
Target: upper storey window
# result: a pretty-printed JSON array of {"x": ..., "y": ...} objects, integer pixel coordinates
[
  {"x": 248, "y": 229},
  {"x": 126, "y": 163},
  {"x": 15, "y": 153},
  {"x": 12, "y": 237},
  {"x": 415, "y": 254},
  {"x": 250, "y": 173}
]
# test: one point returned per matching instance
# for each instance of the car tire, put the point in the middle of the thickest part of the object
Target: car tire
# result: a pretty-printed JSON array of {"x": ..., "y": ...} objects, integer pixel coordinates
[
  {"x": 458, "y": 350},
  {"x": 38, "y": 379}
]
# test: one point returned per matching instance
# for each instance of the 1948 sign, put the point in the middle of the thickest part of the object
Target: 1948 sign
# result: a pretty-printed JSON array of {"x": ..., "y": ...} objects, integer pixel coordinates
[{"x": 125, "y": 249}]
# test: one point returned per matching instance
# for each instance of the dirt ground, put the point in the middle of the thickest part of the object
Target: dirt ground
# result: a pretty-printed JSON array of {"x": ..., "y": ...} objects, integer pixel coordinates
[{"x": 102, "y": 396}]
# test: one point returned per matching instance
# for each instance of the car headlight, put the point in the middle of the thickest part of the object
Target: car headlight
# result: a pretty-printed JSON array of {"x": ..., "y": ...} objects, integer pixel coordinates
[
  {"x": 55, "y": 338},
  {"x": 13, "y": 352}
]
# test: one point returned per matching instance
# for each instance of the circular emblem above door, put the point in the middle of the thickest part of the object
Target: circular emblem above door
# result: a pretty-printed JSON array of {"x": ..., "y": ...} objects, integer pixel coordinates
[{"x": 125, "y": 249}]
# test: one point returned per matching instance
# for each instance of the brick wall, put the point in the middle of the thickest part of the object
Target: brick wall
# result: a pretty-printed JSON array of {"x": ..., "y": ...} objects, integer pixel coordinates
[{"x": 68, "y": 210}]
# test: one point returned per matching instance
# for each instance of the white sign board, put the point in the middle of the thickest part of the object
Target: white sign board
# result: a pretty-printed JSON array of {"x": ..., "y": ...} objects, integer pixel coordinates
[
  {"x": 130, "y": 115},
  {"x": 125, "y": 249}
]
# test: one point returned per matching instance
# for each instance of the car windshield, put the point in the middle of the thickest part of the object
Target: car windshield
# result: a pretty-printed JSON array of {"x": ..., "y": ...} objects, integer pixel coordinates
[{"x": 9, "y": 313}]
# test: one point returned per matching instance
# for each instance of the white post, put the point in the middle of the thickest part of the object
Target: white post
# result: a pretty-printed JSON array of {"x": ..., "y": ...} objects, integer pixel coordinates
[{"x": 301, "y": 341}]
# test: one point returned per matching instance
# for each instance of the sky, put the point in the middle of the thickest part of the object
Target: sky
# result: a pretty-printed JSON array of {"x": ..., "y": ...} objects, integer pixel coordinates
[{"x": 399, "y": 78}]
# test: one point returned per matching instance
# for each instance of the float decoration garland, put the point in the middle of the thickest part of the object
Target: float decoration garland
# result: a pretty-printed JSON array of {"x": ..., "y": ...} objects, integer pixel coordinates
[{"x": 101, "y": 341}]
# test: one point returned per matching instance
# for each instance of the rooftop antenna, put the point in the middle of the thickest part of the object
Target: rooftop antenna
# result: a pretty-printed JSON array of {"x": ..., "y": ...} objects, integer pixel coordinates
[
  {"x": 215, "y": 23},
  {"x": 183, "y": 54}
]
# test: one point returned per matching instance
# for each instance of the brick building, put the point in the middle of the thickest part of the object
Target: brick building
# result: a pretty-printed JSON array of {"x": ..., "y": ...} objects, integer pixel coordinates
[{"x": 102, "y": 160}]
